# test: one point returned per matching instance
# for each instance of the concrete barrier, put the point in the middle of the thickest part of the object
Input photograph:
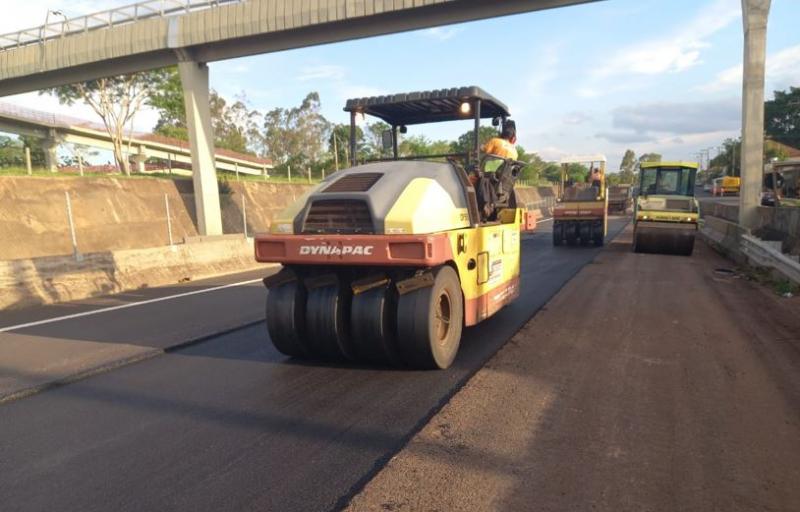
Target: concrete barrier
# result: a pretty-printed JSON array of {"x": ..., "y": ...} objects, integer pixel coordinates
[
  {"x": 743, "y": 247},
  {"x": 112, "y": 214},
  {"x": 45, "y": 280}
]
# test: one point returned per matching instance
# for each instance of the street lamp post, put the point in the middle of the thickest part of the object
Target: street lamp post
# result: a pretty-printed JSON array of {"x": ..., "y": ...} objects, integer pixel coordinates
[{"x": 54, "y": 12}]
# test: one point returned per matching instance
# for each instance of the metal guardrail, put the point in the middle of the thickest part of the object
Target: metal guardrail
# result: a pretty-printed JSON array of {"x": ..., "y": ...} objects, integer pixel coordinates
[
  {"x": 764, "y": 255},
  {"x": 105, "y": 19}
]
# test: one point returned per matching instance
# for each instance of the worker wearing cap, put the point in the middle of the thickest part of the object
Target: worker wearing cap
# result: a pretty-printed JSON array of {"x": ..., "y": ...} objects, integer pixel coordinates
[
  {"x": 596, "y": 177},
  {"x": 504, "y": 146}
]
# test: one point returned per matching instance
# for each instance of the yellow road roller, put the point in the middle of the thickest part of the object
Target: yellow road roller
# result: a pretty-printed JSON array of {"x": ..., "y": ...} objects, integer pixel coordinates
[
  {"x": 385, "y": 262},
  {"x": 666, "y": 211},
  {"x": 581, "y": 211}
]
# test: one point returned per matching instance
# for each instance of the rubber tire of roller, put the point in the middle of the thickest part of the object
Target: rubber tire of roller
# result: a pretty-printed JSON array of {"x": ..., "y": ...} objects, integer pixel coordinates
[
  {"x": 585, "y": 233},
  {"x": 419, "y": 340},
  {"x": 571, "y": 233},
  {"x": 598, "y": 237},
  {"x": 285, "y": 318},
  {"x": 373, "y": 326},
  {"x": 327, "y": 314},
  {"x": 558, "y": 234}
]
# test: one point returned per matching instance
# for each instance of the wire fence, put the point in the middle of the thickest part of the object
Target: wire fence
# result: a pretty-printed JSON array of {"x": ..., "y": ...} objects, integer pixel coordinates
[{"x": 104, "y": 19}]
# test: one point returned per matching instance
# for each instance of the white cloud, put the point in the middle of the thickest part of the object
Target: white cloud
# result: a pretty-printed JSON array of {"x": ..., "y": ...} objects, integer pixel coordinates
[
  {"x": 675, "y": 53},
  {"x": 625, "y": 137},
  {"x": 322, "y": 72},
  {"x": 783, "y": 70},
  {"x": 442, "y": 33},
  {"x": 678, "y": 52},
  {"x": 337, "y": 77},
  {"x": 576, "y": 117},
  {"x": 679, "y": 118}
]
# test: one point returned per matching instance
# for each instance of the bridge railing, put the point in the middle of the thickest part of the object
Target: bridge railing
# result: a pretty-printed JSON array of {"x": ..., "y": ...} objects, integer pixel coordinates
[{"x": 105, "y": 19}]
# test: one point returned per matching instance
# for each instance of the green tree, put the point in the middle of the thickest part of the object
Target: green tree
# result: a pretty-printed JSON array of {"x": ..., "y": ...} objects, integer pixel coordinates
[
  {"x": 341, "y": 147},
  {"x": 11, "y": 152},
  {"x": 373, "y": 138},
  {"x": 296, "y": 136},
  {"x": 533, "y": 172},
  {"x": 236, "y": 127},
  {"x": 551, "y": 172},
  {"x": 116, "y": 100},
  {"x": 782, "y": 116},
  {"x": 627, "y": 168},
  {"x": 167, "y": 100},
  {"x": 465, "y": 142},
  {"x": 650, "y": 157}
]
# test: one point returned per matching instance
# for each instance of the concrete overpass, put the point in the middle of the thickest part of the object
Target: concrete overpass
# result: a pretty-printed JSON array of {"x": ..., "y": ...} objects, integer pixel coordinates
[
  {"x": 191, "y": 33},
  {"x": 55, "y": 130}
]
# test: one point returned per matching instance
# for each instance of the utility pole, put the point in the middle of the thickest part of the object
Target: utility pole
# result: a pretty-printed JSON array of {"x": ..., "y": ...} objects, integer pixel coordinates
[
  {"x": 754, "y": 18},
  {"x": 335, "y": 153}
]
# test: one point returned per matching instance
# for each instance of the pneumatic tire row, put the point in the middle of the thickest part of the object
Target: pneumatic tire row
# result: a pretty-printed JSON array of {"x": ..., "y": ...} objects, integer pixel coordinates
[{"x": 323, "y": 319}]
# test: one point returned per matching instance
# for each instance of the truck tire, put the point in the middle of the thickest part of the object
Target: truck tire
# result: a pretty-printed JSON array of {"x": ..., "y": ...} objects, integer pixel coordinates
[
  {"x": 285, "y": 318},
  {"x": 373, "y": 326},
  {"x": 327, "y": 314},
  {"x": 429, "y": 322}
]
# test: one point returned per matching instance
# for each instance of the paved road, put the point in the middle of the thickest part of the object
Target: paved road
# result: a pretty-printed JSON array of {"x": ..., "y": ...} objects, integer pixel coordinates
[
  {"x": 230, "y": 424},
  {"x": 680, "y": 392},
  {"x": 63, "y": 340}
]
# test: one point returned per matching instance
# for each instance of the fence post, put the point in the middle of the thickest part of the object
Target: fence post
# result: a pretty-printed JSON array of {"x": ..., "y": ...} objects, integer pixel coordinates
[
  {"x": 80, "y": 165},
  {"x": 169, "y": 220},
  {"x": 289, "y": 171},
  {"x": 28, "y": 164},
  {"x": 309, "y": 176},
  {"x": 236, "y": 167},
  {"x": 74, "y": 239},
  {"x": 244, "y": 215}
]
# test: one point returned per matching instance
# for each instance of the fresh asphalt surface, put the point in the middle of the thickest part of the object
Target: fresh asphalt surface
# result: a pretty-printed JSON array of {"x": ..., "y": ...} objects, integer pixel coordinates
[{"x": 230, "y": 424}]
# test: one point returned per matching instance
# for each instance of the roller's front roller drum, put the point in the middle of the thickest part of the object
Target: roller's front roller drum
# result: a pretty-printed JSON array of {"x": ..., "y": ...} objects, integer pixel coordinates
[
  {"x": 327, "y": 314},
  {"x": 373, "y": 325},
  {"x": 664, "y": 238},
  {"x": 429, "y": 322},
  {"x": 286, "y": 318}
]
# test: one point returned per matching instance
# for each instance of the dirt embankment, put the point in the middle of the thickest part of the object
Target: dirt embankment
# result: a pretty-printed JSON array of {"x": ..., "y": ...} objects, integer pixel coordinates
[
  {"x": 116, "y": 214},
  {"x": 649, "y": 382}
]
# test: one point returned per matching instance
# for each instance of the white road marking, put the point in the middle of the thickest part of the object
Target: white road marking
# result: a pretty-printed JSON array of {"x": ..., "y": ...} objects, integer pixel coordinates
[
  {"x": 124, "y": 306},
  {"x": 544, "y": 220}
]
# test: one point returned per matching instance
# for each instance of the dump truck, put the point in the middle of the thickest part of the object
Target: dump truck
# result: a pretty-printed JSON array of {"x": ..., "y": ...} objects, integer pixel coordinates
[
  {"x": 620, "y": 199},
  {"x": 581, "y": 210},
  {"x": 387, "y": 261},
  {"x": 666, "y": 211}
]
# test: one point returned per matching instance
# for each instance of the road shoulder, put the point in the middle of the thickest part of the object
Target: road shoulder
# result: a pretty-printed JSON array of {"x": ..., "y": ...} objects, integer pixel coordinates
[{"x": 648, "y": 383}]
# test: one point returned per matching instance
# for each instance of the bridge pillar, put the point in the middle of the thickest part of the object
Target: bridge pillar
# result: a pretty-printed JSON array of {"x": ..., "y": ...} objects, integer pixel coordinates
[
  {"x": 194, "y": 77},
  {"x": 754, "y": 17},
  {"x": 50, "y": 147}
]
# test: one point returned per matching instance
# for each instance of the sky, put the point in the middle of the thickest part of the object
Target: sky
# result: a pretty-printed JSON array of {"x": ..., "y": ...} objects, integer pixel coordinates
[{"x": 658, "y": 76}]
